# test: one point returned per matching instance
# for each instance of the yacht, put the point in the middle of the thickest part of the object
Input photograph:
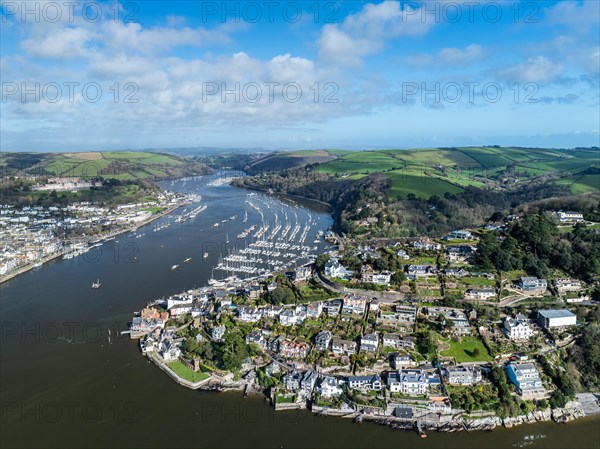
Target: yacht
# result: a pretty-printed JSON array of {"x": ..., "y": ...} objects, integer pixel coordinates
[{"x": 174, "y": 267}]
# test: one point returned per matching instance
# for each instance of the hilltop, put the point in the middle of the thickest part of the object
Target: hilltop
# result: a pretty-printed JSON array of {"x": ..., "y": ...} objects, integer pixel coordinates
[
  {"x": 121, "y": 165},
  {"x": 118, "y": 176},
  {"x": 433, "y": 190}
]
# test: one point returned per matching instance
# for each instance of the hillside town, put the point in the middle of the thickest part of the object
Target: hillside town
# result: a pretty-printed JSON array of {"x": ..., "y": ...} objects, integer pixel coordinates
[
  {"x": 400, "y": 332},
  {"x": 33, "y": 235}
]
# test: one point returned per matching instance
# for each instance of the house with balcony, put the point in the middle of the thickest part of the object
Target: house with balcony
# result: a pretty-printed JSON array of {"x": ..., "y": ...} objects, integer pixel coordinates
[
  {"x": 369, "y": 342},
  {"x": 462, "y": 375},
  {"x": 343, "y": 347},
  {"x": 412, "y": 382},
  {"x": 530, "y": 284},
  {"x": 526, "y": 378}
]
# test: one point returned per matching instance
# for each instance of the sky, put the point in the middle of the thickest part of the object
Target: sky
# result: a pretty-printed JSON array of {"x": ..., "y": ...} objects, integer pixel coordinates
[{"x": 87, "y": 76}]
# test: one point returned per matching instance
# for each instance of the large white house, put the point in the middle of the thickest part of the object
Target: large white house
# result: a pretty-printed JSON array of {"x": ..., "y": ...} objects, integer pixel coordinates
[
  {"x": 569, "y": 216},
  {"x": 517, "y": 328},
  {"x": 329, "y": 387},
  {"x": 412, "y": 382},
  {"x": 334, "y": 269}
]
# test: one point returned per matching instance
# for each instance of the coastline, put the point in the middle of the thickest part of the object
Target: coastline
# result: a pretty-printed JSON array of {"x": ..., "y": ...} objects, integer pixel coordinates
[
  {"x": 97, "y": 239},
  {"x": 456, "y": 421}
]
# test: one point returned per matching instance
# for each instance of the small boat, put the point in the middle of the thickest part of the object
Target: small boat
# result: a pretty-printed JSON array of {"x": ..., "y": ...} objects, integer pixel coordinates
[
  {"x": 96, "y": 284},
  {"x": 174, "y": 267},
  {"x": 188, "y": 259}
]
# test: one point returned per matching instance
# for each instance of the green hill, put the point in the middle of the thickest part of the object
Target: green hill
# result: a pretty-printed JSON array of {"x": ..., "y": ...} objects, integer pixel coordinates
[
  {"x": 122, "y": 165},
  {"x": 434, "y": 171}
]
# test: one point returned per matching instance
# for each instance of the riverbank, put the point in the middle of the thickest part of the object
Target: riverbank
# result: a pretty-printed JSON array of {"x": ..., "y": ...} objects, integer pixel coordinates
[
  {"x": 93, "y": 240},
  {"x": 426, "y": 420}
]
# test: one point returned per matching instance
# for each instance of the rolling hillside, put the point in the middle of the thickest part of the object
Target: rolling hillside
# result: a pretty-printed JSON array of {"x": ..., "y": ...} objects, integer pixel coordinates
[
  {"x": 122, "y": 165},
  {"x": 434, "y": 171}
]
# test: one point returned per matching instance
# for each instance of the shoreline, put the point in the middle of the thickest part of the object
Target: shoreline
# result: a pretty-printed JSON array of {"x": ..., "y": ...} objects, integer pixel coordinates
[
  {"x": 98, "y": 239},
  {"x": 455, "y": 421}
]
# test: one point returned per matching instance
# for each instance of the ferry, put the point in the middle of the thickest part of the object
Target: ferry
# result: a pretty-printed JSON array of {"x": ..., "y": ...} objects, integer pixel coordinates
[
  {"x": 174, "y": 267},
  {"x": 96, "y": 284}
]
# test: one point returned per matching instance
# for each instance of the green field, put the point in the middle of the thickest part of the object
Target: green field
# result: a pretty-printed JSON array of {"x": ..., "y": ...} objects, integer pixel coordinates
[
  {"x": 404, "y": 183},
  {"x": 183, "y": 371},
  {"x": 463, "y": 350},
  {"x": 123, "y": 165},
  {"x": 435, "y": 171}
]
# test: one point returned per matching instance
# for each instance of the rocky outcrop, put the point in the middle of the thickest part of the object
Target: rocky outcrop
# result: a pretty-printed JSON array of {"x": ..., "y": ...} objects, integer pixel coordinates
[
  {"x": 570, "y": 412},
  {"x": 541, "y": 415}
]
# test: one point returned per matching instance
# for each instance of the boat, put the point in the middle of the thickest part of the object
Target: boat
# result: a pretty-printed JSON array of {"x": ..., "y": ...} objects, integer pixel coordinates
[
  {"x": 188, "y": 259},
  {"x": 174, "y": 267},
  {"x": 96, "y": 284},
  {"x": 205, "y": 255},
  {"x": 216, "y": 225}
]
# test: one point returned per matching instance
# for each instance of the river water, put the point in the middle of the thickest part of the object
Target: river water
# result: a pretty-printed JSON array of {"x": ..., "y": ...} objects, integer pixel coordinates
[{"x": 68, "y": 379}]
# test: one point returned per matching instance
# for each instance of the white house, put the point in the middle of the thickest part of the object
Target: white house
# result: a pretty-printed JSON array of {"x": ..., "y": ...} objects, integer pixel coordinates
[
  {"x": 480, "y": 294},
  {"x": 462, "y": 375},
  {"x": 330, "y": 387},
  {"x": 517, "y": 328},
  {"x": 569, "y": 216},
  {"x": 412, "y": 382},
  {"x": 369, "y": 342},
  {"x": 249, "y": 314},
  {"x": 334, "y": 269}
]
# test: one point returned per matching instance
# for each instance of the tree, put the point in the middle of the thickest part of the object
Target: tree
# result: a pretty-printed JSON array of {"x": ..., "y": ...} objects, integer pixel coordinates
[{"x": 233, "y": 351}]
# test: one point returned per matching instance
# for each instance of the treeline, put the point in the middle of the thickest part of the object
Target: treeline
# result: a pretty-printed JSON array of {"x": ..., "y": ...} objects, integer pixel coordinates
[
  {"x": 534, "y": 244},
  {"x": 112, "y": 192}
]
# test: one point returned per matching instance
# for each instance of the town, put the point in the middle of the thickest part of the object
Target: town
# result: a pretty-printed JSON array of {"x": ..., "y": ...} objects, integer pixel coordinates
[
  {"x": 32, "y": 235},
  {"x": 410, "y": 333}
]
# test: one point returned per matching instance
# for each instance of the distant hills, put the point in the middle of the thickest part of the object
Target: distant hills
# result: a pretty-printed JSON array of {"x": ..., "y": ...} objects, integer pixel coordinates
[
  {"x": 122, "y": 165},
  {"x": 435, "y": 171}
]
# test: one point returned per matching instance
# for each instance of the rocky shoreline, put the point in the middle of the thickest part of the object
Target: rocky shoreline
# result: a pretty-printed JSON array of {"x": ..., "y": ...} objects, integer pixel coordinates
[{"x": 458, "y": 422}]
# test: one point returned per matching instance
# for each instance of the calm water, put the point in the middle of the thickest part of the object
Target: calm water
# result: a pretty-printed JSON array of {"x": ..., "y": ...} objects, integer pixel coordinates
[{"x": 66, "y": 382}]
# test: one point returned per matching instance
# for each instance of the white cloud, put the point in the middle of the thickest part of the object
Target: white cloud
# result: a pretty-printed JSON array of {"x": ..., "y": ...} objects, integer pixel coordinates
[
  {"x": 450, "y": 57},
  {"x": 578, "y": 15},
  {"x": 366, "y": 32},
  {"x": 539, "y": 69}
]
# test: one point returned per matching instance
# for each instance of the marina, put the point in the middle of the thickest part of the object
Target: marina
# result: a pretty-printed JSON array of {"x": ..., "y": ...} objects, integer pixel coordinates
[{"x": 121, "y": 384}]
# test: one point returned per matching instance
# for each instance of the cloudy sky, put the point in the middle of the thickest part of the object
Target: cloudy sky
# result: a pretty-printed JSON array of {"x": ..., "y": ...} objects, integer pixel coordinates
[{"x": 86, "y": 76}]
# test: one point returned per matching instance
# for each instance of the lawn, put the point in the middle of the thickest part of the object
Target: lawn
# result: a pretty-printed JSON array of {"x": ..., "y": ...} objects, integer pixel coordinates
[
  {"x": 478, "y": 281},
  {"x": 183, "y": 371},
  {"x": 285, "y": 399},
  {"x": 464, "y": 350}
]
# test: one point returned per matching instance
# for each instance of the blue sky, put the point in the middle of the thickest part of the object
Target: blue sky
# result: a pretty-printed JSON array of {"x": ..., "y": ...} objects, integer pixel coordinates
[{"x": 298, "y": 74}]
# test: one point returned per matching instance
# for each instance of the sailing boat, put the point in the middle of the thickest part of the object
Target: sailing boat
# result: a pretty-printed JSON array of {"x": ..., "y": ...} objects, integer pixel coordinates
[
  {"x": 227, "y": 241},
  {"x": 96, "y": 284}
]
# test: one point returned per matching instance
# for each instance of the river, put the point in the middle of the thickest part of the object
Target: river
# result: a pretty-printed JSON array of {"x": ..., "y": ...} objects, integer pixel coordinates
[{"x": 68, "y": 379}]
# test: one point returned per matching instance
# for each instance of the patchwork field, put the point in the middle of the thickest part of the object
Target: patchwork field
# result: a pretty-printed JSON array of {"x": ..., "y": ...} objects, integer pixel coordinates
[
  {"x": 435, "y": 171},
  {"x": 123, "y": 165}
]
